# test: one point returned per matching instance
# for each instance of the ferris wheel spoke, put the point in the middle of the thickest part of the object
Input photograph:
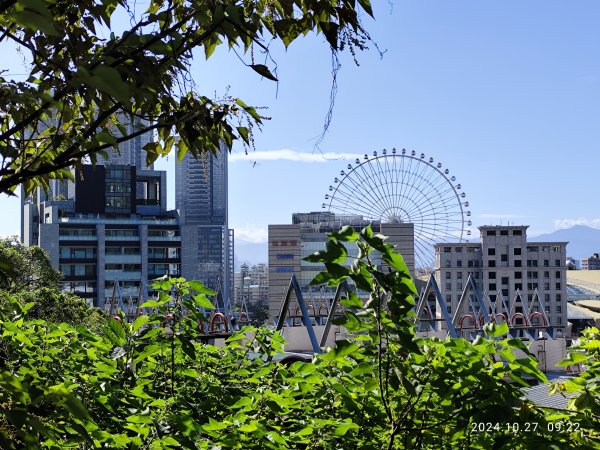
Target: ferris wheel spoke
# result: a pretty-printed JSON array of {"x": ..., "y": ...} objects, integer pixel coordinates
[
  {"x": 351, "y": 207},
  {"x": 404, "y": 188},
  {"x": 375, "y": 180},
  {"x": 357, "y": 192},
  {"x": 370, "y": 183},
  {"x": 384, "y": 170}
]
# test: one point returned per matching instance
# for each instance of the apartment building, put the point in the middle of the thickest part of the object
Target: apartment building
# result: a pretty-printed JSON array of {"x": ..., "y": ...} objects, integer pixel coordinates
[
  {"x": 107, "y": 231},
  {"x": 503, "y": 264}
]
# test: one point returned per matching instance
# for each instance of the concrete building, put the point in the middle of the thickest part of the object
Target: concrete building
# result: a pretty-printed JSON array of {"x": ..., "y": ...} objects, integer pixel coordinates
[
  {"x": 290, "y": 243},
  {"x": 108, "y": 227},
  {"x": 502, "y": 264},
  {"x": 201, "y": 199},
  {"x": 591, "y": 263},
  {"x": 251, "y": 286}
]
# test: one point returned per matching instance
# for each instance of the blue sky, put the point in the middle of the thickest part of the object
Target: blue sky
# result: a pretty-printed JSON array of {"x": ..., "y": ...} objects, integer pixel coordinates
[{"x": 505, "y": 94}]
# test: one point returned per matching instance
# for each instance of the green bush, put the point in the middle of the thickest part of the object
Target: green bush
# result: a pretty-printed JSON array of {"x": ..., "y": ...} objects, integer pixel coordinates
[{"x": 153, "y": 384}]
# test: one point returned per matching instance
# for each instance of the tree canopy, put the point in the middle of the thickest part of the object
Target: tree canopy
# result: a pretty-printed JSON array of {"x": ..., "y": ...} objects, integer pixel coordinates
[
  {"x": 85, "y": 74},
  {"x": 25, "y": 268}
]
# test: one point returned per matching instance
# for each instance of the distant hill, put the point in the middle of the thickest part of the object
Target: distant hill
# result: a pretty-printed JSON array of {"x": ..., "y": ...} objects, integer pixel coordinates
[
  {"x": 583, "y": 241},
  {"x": 246, "y": 252}
]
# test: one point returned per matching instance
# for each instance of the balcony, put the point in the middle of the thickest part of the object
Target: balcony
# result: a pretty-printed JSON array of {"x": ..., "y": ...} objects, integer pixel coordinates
[
  {"x": 123, "y": 259},
  {"x": 120, "y": 275}
]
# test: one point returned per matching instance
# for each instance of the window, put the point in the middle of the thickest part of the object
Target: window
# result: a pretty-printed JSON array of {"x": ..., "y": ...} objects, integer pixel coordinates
[
  {"x": 459, "y": 286},
  {"x": 448, "y": 275},
  {"x": 559, "y": 321},
  {"x": 458, "y": 249},
  {"x": 504, "y": 257},
  {"x": 558, "y": 286},
  {"x": 491, "y": 263},
  {"x": 447, "y": 263},
  {"x": 491, "y": 251},
  {"x": 448, "y": 298},
  {"x": 518, "y": 286},
  {"x": 477, "y": 275},
  {"x": 517, "y": 251},
  {"x": 546, "y": 286},
  {"x": 449, "y": 309},
  {"x": 558, "y": 297},
  {"x": 547, "y": 308},
  {"x": 491, "y": 233},
  {"x": 558, "y": 309},
  {"x": 517, "y": 232},
  {"x": 557, "y": 262},
  {"x": 503, "y": 232},
  {"x": 492, "y": 286},
  {"x": 557, "y": 275},
  {"x": 546, "y": 263},
  {"x": 505, "y": 292},
  {"x": 492, "y": 275},
  {"x": 546, "y": 274},
  {"x": 459, "y": 263},
  {"x": 448, "y": 286},
  {"x": 504, "y": 280},
  {"x": 492, "y": 298},
  {"x": 459, "y": 276},
  {"x": 470, "y": 263},
  {"x": 518, "y": 275},
  {"x": 546, "y": 297},
  {"x": 447, "y": 249},
  {"x": 518, "y": 263}
]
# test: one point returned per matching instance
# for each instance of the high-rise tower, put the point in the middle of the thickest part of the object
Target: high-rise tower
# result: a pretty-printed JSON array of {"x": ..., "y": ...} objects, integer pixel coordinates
[{"x": 201, "y": 199}]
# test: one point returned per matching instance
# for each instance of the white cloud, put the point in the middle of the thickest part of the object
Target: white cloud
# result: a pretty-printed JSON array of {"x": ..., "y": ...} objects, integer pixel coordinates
[
  {"x": 568, "y": 223},
  {"x": 254, "y": 235},
  {"x": 292, "y": 155}
]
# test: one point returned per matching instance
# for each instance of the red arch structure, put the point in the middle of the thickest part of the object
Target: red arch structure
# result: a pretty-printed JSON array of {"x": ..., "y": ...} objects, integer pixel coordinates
[
  {"x": 322, "y": 307},
  {"x": 243, "y": 318},
  {"x": 500, "y": 315},
  {"x": 512, "y": 319},
  {"x": 214, "y": 323},
  {"x": 537, "y": 314},
  {"x": 465, "y": 316}
]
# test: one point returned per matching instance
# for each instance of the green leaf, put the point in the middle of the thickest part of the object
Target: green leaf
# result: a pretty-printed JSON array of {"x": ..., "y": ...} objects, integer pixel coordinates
[
  {"x": 107, "y": 79},
  {"x": 345, "y": 234},
  {"x": 140, "y": 322},
  {"x": 343, "y": 428},
  {"x": 116, "y": 333},
  {"x": 494, "y": 330},
  {"x": 201, "y": 301},
  {"x": 366, "y": 5},
  {"x": 264, "y": 71},
  {"x": 200, "y": 288}
]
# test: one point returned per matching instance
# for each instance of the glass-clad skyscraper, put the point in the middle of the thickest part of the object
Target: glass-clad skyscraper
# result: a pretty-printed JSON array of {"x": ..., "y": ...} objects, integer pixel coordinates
[{"x": 201, "y": 199}]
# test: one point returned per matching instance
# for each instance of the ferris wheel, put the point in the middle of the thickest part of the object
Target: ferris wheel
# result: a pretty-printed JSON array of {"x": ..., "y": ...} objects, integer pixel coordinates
[{"x": 403, "y": 187}]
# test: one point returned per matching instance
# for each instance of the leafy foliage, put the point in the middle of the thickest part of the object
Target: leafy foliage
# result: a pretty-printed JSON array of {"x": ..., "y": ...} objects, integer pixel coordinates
[
  {"x": 87, "y": 74},
  {"x": 25, "y": 268},
  {"x": 154, "y": 384}
]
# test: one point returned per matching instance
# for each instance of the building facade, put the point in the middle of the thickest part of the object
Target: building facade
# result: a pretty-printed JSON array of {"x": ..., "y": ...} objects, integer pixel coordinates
[
  {"x": 290, "y": 244},
  {"x": 108, "y": 232},
  {"x": 503, "y": 264},
  {"x": 591, "y": 263},
  {"x": 251, "y": 286},
  {"x": 201, "y": 199}
]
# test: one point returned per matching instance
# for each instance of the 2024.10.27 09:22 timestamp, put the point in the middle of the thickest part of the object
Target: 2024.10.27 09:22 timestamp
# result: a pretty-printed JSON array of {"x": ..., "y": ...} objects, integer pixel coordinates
[{"x": 524, "y": 427}]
